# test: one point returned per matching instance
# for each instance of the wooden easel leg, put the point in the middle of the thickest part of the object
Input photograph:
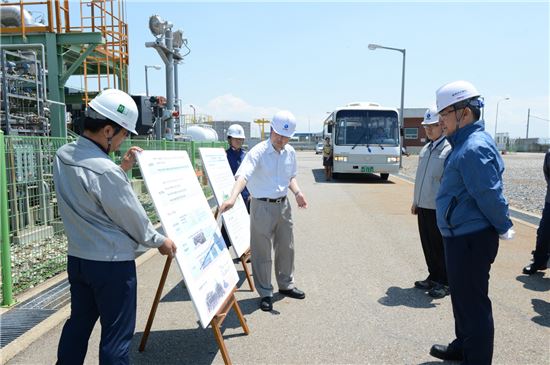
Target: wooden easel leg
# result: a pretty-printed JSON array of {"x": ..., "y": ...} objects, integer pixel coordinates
[
  {"x": 218, "y": 319},
  {"x": 219, "y": 339},
  {"x": 237, "y": 310},
  {"x": 155, "y": 304},
  {"x": 244, "y": 259}
]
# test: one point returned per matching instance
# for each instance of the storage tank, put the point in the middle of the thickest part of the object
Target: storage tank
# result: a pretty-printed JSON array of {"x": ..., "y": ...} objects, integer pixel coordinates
[{"x": 202, "y": 132}]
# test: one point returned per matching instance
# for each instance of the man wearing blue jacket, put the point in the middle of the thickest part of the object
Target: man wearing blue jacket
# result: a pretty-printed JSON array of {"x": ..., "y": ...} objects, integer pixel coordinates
[{"x": 471, "y": 214}]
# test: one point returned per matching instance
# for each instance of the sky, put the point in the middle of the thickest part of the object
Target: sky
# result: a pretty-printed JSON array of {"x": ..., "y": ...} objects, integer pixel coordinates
[{"x": 251, "y": 59}]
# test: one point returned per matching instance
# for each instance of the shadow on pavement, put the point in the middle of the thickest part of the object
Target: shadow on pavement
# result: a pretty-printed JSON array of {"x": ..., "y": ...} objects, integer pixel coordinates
[
  {"x": 535, "y": 282},
  {"x": 438, "y": 362},
  {"x": 319, "y": 176},
  {"x": 178, "y": 293},
  {"x": 408, "y": 297},
  {"x": 543, "y": 309}
]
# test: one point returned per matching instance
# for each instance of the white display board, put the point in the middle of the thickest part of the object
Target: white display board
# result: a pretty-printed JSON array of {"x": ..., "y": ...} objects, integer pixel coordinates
[
  {"x": 236, "y": 220},
  {"x": 202, "y": 256}
]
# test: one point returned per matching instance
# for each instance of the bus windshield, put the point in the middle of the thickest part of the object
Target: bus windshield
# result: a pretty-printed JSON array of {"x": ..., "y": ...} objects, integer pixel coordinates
[{"x": 360, "y": 127}]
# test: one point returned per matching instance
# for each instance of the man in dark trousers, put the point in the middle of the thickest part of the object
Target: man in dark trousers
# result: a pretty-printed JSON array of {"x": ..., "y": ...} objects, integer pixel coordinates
[
  {"x": 471, "y": 214},
  {"x": 104, "y": 222},
  {"x": 428, "y": 178},
  {"x": 542, "y": 248}
]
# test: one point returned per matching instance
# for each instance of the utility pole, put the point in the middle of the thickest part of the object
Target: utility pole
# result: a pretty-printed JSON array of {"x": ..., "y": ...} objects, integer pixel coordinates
[{"x": 528, "y": 115}]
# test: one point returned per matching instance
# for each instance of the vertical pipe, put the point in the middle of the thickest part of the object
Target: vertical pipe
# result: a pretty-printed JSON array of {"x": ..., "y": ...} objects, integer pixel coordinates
[
  {"x": 177, "y": 98},
  {"x": 402, "y": 116},
  {"x": 5, "y": 91},
  {"x": 67, "y": 18},
  {"x": 5, "y": 254},
  {"x": 169, "y": 80},
  {"x": 146, "y": 83},
  {"x": 50, "y": 17},
  {"x": 57, "y": 16}
]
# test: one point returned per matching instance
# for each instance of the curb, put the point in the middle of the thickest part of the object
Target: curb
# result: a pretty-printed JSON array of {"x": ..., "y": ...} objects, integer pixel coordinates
[{"x": 26, "y": 339}]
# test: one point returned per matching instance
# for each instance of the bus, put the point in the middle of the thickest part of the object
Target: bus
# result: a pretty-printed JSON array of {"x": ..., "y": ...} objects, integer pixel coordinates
[{"x": 365, "y": 139}]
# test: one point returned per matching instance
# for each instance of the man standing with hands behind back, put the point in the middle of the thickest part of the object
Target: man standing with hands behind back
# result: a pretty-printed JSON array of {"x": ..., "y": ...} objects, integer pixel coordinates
[
  {"x": 269, "y": 171},
  {"x": 471, "y": 214}
]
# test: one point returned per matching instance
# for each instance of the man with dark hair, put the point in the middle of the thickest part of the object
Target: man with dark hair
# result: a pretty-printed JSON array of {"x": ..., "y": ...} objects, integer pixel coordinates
[
  {"x": 471, "y": 214},
  {"x": 104, "y": 222}
]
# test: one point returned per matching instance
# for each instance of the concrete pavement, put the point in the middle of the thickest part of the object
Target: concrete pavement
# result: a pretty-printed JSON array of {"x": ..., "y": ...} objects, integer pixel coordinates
[{"x": 357, "y": 256}]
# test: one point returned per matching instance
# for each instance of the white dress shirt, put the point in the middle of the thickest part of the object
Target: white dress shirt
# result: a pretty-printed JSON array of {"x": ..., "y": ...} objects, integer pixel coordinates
[{"x": 267, "y": 171}]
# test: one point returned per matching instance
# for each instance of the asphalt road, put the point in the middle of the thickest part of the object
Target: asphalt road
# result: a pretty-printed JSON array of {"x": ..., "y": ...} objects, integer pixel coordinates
[{"x": 357, "y": 256}]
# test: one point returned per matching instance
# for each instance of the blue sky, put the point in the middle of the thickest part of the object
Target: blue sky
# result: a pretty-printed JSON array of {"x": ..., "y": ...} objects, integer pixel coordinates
[{"x": 250, "y": 59}]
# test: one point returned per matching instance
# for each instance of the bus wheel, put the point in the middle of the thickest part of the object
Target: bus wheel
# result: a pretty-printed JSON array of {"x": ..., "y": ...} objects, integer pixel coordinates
[{"x": 384, "y": 176}]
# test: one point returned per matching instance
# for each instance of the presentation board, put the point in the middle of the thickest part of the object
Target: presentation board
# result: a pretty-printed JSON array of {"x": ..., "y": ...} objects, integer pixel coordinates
[
  {"x": 202, "y": 256},
  {"x": 236, "y": 220}
]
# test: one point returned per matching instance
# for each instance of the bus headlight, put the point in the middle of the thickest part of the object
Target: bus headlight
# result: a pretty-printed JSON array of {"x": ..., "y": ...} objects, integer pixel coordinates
[
  {"x": 341, "y": 158},
  {"x": 393, "y": 159}
]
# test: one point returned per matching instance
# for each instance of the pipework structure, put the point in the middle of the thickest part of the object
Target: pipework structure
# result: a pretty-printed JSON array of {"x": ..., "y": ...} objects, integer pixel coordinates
[
  {"x": 168, "y": 44},
  {"x": 95, "y": 49}
]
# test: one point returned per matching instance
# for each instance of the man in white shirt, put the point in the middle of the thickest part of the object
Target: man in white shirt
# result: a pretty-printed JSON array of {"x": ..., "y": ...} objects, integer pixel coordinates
[{"x": 269, "y": 171}]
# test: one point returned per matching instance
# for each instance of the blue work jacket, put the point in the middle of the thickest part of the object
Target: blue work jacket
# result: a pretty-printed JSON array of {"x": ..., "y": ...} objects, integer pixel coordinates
[
  {"x": 235, "y": 157},
  {"x": 470, "y": 197}
]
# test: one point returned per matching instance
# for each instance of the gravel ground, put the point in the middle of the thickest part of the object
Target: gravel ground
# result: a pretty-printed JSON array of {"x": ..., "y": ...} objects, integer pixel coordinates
[{"x": 524, "y": 184}]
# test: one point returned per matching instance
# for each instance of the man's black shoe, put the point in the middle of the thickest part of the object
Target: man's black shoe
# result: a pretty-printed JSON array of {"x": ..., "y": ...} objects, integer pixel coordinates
[
  {"x": 532, "y": 268},
  {"x": 424, "y": 284},
  {"x": 266, "y": 304},
  {"x": 444, "y": 353},
  {"x": 293, "y": 293}
]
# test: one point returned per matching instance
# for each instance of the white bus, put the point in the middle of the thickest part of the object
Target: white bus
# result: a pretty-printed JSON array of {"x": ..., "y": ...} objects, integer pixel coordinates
[{"x": 365, "y": 139}]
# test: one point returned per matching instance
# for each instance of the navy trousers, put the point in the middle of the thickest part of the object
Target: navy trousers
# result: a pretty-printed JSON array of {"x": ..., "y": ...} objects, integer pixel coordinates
[
  {"x": 432, "y": 245},
  {"x": 104, "y": 290},
  {"x": 542, "y": 250},
  {"x": 469, "y": 258}
]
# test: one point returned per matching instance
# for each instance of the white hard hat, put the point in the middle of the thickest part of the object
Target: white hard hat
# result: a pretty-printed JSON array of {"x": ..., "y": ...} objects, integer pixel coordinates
[
  {"x": 431, "y": 116},
  {"x": 453, "y": 93},
  {"x": 118, "y": 107},
  {"x": 235, "y": 131},
  {"x": 284, "y": 123}
]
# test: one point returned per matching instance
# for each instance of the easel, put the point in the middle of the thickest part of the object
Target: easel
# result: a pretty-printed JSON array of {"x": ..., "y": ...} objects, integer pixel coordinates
[
  {"x": 244, "y": 259},
  {"x": 216, "y": 322}
]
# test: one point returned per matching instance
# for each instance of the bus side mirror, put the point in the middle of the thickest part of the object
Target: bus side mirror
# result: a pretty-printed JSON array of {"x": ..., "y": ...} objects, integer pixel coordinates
[
  {"x": 401, "y": 132},
  {"x": 329, "y": 128}
]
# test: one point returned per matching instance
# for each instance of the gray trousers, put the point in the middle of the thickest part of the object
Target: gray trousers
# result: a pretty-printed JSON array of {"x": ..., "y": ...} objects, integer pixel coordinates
[{"x": 271, "y": 227}]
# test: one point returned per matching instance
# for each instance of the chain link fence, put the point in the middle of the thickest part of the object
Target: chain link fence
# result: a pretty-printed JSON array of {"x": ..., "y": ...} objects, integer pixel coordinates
[{"x": 34, "y": 244}]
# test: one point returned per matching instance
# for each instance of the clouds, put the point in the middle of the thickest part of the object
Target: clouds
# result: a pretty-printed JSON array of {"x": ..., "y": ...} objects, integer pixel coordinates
[{"x": 231, "y": 107}]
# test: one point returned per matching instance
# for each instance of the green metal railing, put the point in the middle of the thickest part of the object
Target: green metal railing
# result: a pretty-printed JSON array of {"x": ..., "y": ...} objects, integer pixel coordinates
[{"x": 33, "y": 245}]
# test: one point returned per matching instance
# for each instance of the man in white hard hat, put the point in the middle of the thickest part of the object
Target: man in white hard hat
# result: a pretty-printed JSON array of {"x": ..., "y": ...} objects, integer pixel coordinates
[
  {"x": 269, "y": 171},
  {"x": 428, "y": 178},
  {"x": 471, "y": 214},
  {"x": 104, "y": 222},
  {"x": 235, "y": 154}
]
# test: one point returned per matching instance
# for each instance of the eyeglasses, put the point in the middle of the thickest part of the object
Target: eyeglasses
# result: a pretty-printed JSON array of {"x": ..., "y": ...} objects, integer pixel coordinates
[{"x": 445, "y": 114}]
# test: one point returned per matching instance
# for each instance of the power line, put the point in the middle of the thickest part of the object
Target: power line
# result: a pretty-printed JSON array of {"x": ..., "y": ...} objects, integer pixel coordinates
[{"x": 534, "y": 116}]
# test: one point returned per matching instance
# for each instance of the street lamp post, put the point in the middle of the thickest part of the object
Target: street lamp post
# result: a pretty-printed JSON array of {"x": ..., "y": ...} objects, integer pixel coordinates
[
  {"x": 496, "y": 117},
  {"x": 147, "y": 79},
  {"x": 194, "y": 113},
  {"x": 372, "y": 47}
]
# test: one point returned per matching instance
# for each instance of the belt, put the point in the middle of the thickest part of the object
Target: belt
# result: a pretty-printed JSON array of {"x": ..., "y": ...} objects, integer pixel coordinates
[{"x": 278, "y": 200}]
